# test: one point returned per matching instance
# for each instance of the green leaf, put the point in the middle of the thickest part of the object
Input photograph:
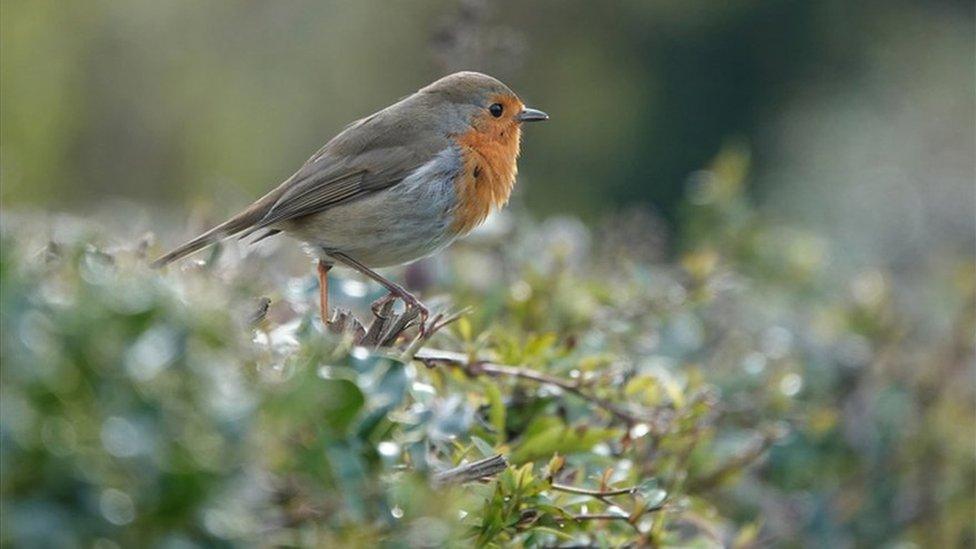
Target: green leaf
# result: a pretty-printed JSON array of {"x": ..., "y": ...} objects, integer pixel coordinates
[
  {"x": 644, "y": 388},
  {"x": 350, "y": 474},
  {"x": 464, "y": 328},
  {"x": 651, "y": 492},
  {"x": 552, "y": 531},
  {"x": 483, "y": 447},
  {"x": 496, "y": 411},
  {"x": 555, "y": 465},
  {"x": 747, "y": 535},
  {"x": 548, "y": 435},
  {"x": 539, "y": 343},
  {"x": 341, "y": 401}
]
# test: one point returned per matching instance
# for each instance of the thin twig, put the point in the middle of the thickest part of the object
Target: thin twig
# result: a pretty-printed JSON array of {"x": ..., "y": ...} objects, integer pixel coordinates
[
  {"x": 594, "y": 493},
  {"x": 432, "y": 357},
  {"x": 616, "y": 516},
  {"x": 756, "y": 448},
  {"x": 600, "y": 516},
  {"x": 439, "y": 322}
]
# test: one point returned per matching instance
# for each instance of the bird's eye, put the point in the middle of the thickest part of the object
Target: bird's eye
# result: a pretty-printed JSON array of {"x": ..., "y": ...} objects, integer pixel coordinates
[{"x": 496, "y": 109}]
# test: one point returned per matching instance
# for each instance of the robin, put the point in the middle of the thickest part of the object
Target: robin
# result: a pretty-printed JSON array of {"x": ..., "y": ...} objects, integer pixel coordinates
[{"x": 395, "y": 186}]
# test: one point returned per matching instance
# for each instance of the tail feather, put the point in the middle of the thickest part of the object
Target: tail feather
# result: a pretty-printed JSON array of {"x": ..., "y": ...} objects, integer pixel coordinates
[
  {"x": 249, "y": 220},
  {"x": 229, "y": 228},
  {"x": 269, "y": 232}
]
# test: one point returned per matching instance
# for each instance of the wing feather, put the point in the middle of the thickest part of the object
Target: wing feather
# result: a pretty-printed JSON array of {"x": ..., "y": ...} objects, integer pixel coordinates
[
  {"x": 315, "y": 187},
  {"x": 370, "y": 155}
]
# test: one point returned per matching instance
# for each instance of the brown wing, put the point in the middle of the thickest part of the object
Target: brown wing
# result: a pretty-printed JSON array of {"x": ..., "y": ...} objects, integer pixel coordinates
[
  {"x": 314, "y": 188},
  {"x": 371, "y": 154}
]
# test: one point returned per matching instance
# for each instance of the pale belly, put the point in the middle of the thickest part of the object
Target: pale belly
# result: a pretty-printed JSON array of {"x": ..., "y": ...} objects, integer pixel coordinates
[{"x": 394, "y": 226}]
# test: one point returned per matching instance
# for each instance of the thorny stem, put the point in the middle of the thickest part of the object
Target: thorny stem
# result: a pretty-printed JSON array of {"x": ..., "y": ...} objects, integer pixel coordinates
[{"x": 432, "y": 357}]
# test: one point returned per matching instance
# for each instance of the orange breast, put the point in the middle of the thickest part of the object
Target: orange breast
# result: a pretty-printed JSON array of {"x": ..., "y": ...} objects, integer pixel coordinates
[{"x": 488, "y": 175}]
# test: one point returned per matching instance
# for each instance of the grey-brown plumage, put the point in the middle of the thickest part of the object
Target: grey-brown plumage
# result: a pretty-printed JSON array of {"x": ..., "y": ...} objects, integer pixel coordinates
[
  {"x": 397, "y": 185},
  {"x": 371, "y": 154}
]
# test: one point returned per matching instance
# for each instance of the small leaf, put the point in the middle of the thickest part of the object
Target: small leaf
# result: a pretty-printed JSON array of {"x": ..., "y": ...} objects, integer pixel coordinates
[
  {"x": 605, "y": 478},
  {"x": 636, "y": 512},
  {"x": 496, "y": 410},
  {"x": 483, "y": 447},
  {"x": 525, "y": 475},
  {"x": 554, "y": 466},
  {"x": 506, "y": 481},
  {"x": 644, "y": 388},
  {"x": 341, "y": 400},
  {"x": 547, "y": 435},
  {"x": 464, "y": 328},
  {"x": 652, "y": 493},
  {"x": 747, "y": 536},
  {"x": 552, "y": 531},
  {"x": 539, "y": 343}
]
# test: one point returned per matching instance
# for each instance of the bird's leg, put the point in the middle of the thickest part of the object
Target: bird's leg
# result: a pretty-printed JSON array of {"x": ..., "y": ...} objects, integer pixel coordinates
[
  {"x": 396, "y": 291},
  {"x": 323, "y": 270}
]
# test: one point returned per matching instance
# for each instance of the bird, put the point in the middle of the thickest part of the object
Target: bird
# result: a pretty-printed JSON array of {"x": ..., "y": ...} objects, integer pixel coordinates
[{"x": 396, "y": 186}]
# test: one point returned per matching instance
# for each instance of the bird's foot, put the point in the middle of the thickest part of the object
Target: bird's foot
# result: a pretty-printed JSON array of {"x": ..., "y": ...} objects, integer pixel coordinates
[{"x": 410, "y": 301}]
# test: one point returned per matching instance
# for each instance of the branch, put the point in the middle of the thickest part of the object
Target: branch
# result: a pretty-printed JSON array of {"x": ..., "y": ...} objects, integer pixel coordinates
[
  {"x": 476, "y": 470},
  {"x": 432, "y": 357},
  {"x": 600, "y": 516},
  {"x": 615, "y": 516},
  {"x": 743, "y": 459},
  {"x": 594, "y": 493},
  {"x": 260, "y": 312}
]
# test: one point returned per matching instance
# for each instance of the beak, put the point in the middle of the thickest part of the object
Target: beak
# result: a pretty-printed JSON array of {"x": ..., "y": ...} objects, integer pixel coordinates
[{"x": 532, "y": 115}]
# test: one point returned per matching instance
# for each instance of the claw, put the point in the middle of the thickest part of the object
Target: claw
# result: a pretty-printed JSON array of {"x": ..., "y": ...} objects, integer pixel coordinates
[
  {"x": 381, "y": 303},
  {"x": 396, "y": 291},
  {"x": 412, "y": 302},
  {"x": 409, "y": 301},
  {"x": 424, "y": 314}
]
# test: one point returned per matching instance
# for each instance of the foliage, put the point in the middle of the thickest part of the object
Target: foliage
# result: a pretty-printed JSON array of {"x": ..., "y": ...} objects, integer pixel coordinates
[{"x": 738, "y": 396}]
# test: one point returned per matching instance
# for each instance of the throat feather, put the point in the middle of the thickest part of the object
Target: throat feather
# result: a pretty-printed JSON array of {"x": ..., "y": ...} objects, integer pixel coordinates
[{"x": 487, "y": 178}]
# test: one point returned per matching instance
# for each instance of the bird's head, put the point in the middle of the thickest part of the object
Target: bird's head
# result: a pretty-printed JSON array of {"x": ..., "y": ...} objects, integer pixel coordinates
[
  {"x": 484, "y": 104},
  {"x": 484, "y": 117}
]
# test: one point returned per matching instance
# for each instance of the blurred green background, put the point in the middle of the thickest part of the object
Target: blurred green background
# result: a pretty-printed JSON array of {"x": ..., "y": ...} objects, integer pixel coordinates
[
  {"x": 778, "y": 200},
  {"x": 778, "y": 207},
  {"x": 859, "y": 114}
]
